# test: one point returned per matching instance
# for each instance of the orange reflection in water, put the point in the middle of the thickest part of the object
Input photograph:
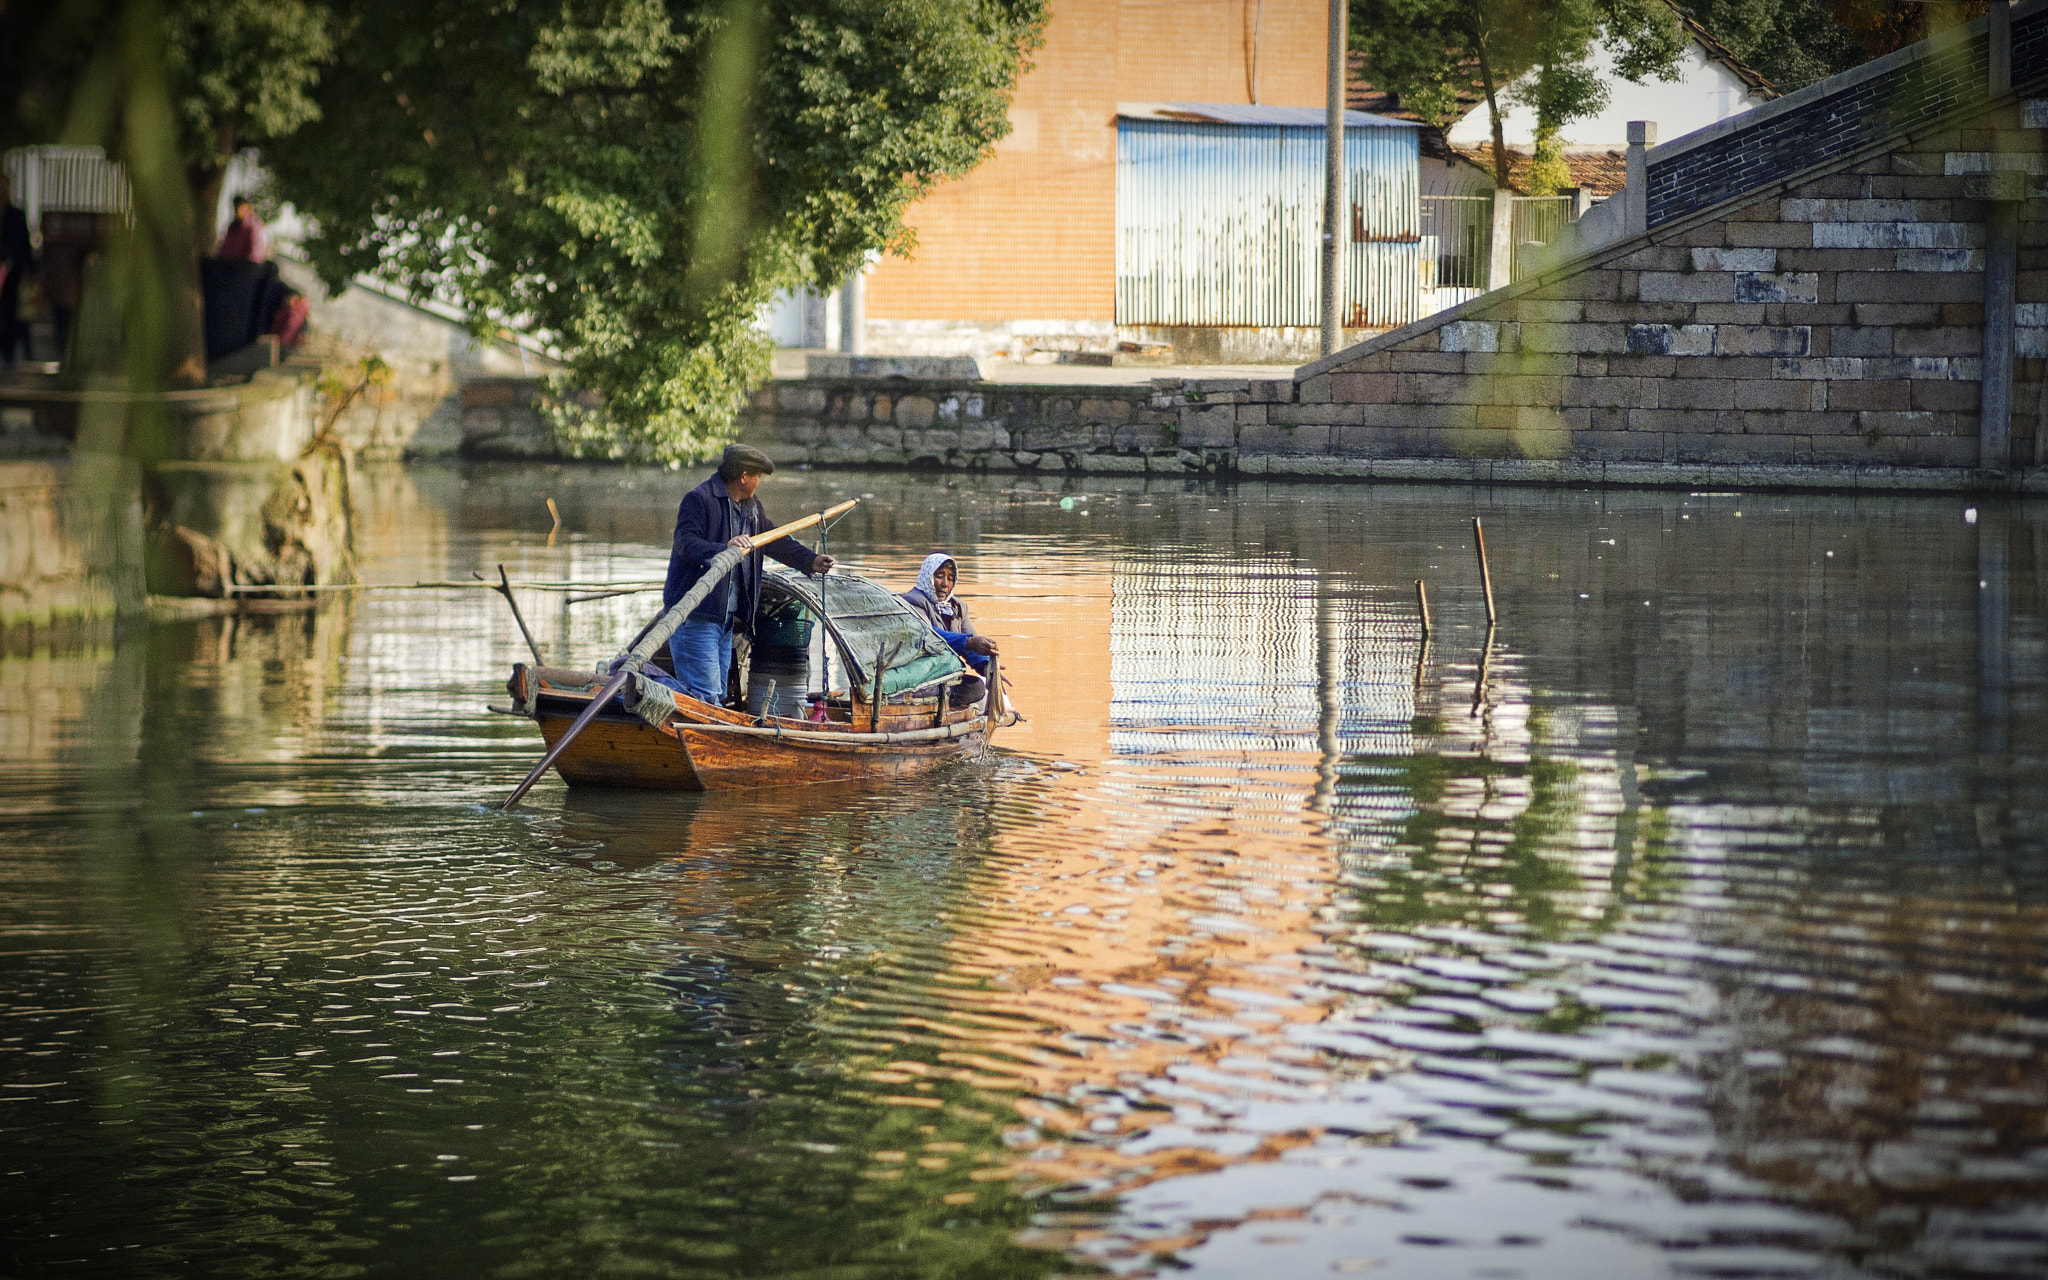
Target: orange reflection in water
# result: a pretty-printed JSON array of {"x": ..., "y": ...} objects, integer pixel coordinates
[{"x": 1150, "y": 931}]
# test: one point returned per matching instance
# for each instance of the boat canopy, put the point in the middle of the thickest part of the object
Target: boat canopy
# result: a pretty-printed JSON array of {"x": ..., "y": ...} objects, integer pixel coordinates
[{"x": 864, "y": 622}]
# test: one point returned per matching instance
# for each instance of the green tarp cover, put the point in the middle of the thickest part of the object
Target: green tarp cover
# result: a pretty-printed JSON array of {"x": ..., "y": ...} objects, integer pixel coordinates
[{"x": 866, "y": 619}]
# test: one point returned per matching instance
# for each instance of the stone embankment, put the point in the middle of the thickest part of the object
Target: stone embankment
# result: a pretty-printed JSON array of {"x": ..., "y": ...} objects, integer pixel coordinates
[
  {"x": 70, "y": 545},
  {"x": 1876, "y": 319},
  {"x": 243, "y": 494},
  {"x": 970, "y": 424}
]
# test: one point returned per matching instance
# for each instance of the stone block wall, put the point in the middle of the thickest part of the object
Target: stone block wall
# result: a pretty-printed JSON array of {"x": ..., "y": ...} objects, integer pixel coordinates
[
  {"x": 503, "y": 418},
  {"x": 418, "y": 411},
  {"x": 1826, "y": 330},
  {"x": 1171, "y": 425}
]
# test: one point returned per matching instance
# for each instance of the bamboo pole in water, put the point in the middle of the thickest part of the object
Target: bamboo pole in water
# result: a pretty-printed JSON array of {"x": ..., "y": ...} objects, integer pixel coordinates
[
  {"x": 1422, "y": 604},
  {"x": 1485, "y": 576},
  {"x": 995, "y": 695}
]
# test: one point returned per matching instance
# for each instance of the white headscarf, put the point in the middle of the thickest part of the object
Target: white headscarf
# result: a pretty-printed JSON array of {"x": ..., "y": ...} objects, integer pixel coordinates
[{"x": 929, "y": 572}]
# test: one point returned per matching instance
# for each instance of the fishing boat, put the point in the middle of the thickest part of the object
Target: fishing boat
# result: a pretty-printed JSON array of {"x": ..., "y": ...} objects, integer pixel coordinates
[{"x": 842, "y": 681}]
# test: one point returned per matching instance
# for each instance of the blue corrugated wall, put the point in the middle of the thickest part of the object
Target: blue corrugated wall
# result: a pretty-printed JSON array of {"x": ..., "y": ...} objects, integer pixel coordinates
[{"x": 1220, "y": 225}]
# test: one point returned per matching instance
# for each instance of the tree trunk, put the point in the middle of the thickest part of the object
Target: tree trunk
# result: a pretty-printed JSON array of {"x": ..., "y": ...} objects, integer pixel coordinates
[
  {"x": 187, "y": 336},
  {"x": 206, "y": 186},
  {"x": 1500, "y": 148}
]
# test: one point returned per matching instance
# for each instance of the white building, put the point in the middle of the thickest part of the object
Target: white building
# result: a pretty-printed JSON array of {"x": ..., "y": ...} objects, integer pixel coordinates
[{"x": 1711, "y": 85}]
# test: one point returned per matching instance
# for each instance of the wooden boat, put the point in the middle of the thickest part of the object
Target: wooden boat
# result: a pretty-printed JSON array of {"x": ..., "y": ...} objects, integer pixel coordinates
[{"x": 870, "y": 644}]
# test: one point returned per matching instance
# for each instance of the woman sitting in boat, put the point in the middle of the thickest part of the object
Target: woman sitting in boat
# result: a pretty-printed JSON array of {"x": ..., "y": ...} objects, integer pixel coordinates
[{"x": 933, "y": 600}]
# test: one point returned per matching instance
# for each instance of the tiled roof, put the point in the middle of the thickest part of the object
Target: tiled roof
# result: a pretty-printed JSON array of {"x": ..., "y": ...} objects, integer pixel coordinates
[
  {"x": 1238, "y": 113},
  {"x": 1361, "y": 95},
  {"x": 1718, "y": 52},
  {"x": 1600, "y": 173}
]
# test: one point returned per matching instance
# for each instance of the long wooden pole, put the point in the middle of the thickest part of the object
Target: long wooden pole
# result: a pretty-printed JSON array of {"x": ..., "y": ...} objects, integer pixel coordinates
[
  {"x": 1485, "y": 576},
  {"x": 1422, "y": 604},
  {"x": 479, "y": 584},
  {"x": 652, "y": 638}
]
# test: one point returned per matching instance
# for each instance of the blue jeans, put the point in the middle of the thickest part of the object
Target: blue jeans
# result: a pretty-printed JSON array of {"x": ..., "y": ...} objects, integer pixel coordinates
[{"x": 702, "y": 652}]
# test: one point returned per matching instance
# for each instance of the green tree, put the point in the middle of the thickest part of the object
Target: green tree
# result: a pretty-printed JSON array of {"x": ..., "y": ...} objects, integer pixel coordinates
[
  {"x": 1537, "y": 51},
  {"x": 1796, "y": 42},
  {"x": 634, "y": 178},
  {"x": 1640, "y": 34},
  {"x": 231, "y": 73}
]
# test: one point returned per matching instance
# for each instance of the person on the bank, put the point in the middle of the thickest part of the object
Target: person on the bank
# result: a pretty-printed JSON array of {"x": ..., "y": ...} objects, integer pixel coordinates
[
  {"x": 933, "y": 600},
  {"x": 723, "y": 512},
  {"x": 245, "y": 240},
  {"x": 17, "y": 259}
]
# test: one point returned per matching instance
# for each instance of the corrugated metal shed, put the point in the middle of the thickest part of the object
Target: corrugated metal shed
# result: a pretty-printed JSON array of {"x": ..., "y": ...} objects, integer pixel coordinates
[
  {"x": 77, "y": 179},
  {"x": 1219, "y": 217}
]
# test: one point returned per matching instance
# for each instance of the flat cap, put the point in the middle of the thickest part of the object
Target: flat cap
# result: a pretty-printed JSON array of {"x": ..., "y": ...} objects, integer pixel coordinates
[{"x": 745, "y": 457}]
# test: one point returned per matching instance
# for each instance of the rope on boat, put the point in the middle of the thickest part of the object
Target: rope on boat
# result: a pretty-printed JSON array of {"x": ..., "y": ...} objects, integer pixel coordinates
[{"x": 855, "y": 739}]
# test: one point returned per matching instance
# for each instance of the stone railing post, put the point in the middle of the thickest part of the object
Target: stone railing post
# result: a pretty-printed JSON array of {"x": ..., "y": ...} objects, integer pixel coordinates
[
  {"x": 1500, "y": 266},
  {"x": 2002, "y": 192},
  {"x": 1642, "y": 135}
]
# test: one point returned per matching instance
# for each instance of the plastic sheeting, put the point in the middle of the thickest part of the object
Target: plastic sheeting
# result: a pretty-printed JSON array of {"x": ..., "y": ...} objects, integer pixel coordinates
[{"x": 863, "y": 621}]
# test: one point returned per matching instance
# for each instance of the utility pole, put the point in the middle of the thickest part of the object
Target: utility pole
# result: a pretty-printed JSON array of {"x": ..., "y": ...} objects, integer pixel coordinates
[{"x": 1333, "y": 186}]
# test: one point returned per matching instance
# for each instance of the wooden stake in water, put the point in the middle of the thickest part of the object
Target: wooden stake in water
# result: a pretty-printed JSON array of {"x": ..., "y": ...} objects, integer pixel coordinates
[
  {"x": 505, "y": 589},
  {"x": 1485, "y": 577},
  {"x": 1485, "y": 665},
  {"x": 1422, "y": 604}
]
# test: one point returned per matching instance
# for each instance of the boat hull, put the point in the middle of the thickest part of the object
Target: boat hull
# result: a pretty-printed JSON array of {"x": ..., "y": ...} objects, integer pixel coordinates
[{"x": 697, "y": 750}]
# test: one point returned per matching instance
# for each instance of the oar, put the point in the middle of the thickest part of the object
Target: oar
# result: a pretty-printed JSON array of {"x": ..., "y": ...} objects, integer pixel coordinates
[{"x": 656, "y": 634}]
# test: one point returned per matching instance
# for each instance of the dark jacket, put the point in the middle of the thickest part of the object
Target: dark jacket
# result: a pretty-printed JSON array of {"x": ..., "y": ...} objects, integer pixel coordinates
[
  {"x": 16, "y": 250},
  {"x": 707, "y": 520}
]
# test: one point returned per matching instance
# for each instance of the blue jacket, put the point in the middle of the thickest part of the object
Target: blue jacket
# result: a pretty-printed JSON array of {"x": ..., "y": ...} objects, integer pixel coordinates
[
  {"x": 708, "y": 519},
  {"x": 958, "y": 640}
]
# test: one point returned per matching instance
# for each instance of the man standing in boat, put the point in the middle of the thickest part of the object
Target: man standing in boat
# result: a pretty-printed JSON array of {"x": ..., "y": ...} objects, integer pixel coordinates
[{"x": 723, "y": 512}]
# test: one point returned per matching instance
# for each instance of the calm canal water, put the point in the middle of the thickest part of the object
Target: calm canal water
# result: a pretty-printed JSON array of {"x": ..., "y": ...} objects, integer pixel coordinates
[{"x": 1694, "y": 929}]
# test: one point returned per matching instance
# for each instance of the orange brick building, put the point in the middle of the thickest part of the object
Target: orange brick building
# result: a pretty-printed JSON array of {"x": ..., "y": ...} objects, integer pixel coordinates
[{"x": 1020, "y": 254}]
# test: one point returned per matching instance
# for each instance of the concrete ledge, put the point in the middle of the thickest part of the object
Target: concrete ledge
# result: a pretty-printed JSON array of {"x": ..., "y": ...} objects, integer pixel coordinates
[
  {"x": 1661, "y": 475},
  {"x": 935, "y": 368}
]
